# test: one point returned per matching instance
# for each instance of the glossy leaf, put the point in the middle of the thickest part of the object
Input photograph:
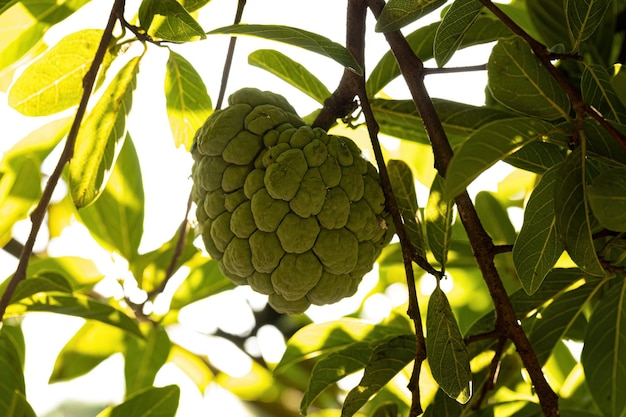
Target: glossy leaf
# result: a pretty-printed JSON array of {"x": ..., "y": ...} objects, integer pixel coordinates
[
  {"x": 153, "y": 402},
  {"x": 91, "y": 344},
  {"x": 447, "y": 355},
  {"x": 494, "y": 218},
  {"x": 55, "y": 81},
  {"x": 316, "y": 339},
  {"x": 99, "y": 137},
  {"x": 517, "y": 80},
  {"x": 537, "y": 157},
  {"x": 143, "y": 358},
  {"x": 455, "y": 23},
  {"x": 398, "y": 13},
  {"x": 557, "y": 319},
  {"x": 490, "y": 144},
  {"x": 387, "y": 360},
  {"x": 573, "y": 219},
  {"x": 25, "y": 23},
  {"x": 597, "y": 91},
  {"x": 333, "y": 367},
  {"x": 607, "y": 197},
  {"x": 583, "y": 18},
  {"x": 168, "y": 20},
  {"x": 78, "y": 306},
  {"x": 485, "y": 29},
  {"x": 401, "y": 119},
  {"x": 188, "y": 103},
  {"x": 290, "y": 71},
  {"x": 403, "y": 187},
  {"x": 438, "y": 216},
  {"x": 203, "y": 281},
  {"x": 297, "y": 37},
  {"x": 115, "y": 219},
  {"x": 537, "y": 247},
  {"x": 604, "y": 353}
]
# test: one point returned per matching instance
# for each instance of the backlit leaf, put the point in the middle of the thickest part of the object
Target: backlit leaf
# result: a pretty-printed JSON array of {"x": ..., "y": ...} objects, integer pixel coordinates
[
  {"x": 47, "y": 282},
  {"x": 549, "y": 17},
  {"x": 583, "y": 17},
  {"x": 445, "y": 349},
  {"x": 168, "y": 20},
  {"x": 55, "y": 81},
  {"x": 290, "y": 71},
  {"x": 604, "y": 353},
  {"x": 153, "y": 402},
  {"x": 100, "y": 135},
  {"x": 457, "y": 20},
  {"x": 115, "y": 219},
  {"x": 398, "y": 13},
  {"x": 607, "y": 197},
  {"x": 203, "y": 281},
  {"x": 519, "y": 81},
  {"x": 443, "y": 406},
  {"x": 573, "y": 221},
  {"x": 597, "y": 91},
  {"x": 537, "y": 157},
  {"x": 297, "y": 37},
  {"x": 91, "y": 344},
  {"x": 537, "y": 247},
  {"x": 387, "y": 360},
  {"x": 494, "y": 218},
  {"x": 490, "y": 144},
  {"x": 192, "y": 365},
  {"x": 403, "y": 187},
  {"x": 188, "y": 103},
  {"x": 143, "y": 358},
  {"x": 438, "y": 216}
]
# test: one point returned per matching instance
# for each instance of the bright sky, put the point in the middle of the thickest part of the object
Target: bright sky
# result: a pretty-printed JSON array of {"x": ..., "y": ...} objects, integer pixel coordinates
[{"x": 167, "y": 170}]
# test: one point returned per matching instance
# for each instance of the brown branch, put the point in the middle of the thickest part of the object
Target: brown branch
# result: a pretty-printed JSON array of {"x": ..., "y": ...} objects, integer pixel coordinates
[
  {"x": 38, "y": 214},
  {"x": 450, "y": 70},
  {"x": 229, "y": 56},
  {"x": 507, "y": 324}
]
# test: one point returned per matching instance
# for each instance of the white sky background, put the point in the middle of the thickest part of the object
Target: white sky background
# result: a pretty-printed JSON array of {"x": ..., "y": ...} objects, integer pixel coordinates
[{"x": 166, "y": 170}]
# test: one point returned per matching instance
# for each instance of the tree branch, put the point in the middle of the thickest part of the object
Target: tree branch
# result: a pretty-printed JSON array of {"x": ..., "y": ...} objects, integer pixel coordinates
[
  {"x": 38, "y": 214},
  {"x": 229, "y": 56}
]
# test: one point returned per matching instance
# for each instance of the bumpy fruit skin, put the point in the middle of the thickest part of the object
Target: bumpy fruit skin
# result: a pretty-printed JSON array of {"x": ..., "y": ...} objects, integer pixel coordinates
[{"x": 293, "y": 212}]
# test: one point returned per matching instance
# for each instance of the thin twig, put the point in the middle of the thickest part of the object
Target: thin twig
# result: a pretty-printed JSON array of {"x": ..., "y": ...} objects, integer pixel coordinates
[
  {"x": 449, "y": 70},
  {"x": 229, "y": 57},
  {"x": 38, "y": 214}
]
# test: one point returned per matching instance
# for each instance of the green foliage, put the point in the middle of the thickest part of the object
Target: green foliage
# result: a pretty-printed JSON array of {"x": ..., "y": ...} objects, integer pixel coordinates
[{"x": 291, "y": 207}]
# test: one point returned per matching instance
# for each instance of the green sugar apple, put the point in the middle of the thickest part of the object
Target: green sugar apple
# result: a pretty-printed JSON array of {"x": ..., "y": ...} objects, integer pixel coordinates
[{"x": 290, "y": 210}]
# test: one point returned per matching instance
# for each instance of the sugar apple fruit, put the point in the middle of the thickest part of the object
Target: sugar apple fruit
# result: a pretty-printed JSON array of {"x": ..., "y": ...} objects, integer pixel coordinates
[{"x": 290, "y": 210}]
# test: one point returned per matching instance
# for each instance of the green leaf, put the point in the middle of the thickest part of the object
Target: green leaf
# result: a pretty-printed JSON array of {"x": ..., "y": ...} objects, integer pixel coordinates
[
  {"x": 78, "y": 306},
  {"x": 573, "y": 220},
  {"x": 537, "y": 247},
  {"x": 193, "y": 5},
  {"x": 557, "y": 319},
  {"x": 447, "y": 355},
  {"x": 19, "y": 407},
  {"x": 549, "y": 17},
  {"x": 48, "y": 282},
  {"x": 91, "y": 344},
  {"x": 517, "y": 80},
  {"x": 12, "y": 385},
  {"x": 99, "y": 137},
  {"x": 494, "y": 218},
  {"x": 398, "y": 13},
  {"x": 297, "y": 37},
  {"x": 583, "y": 18},
  {"x": 25, "y": 22},
  {"x": 317, "y": 339},
  {"x": 203, "y": 281},
  {"x": 607, "y": 197},
  {"x": 387, "y": 409},
  {"x": 601, "y": 143},
  {"x": 290, "y": 71},
  {"x": 443, "y": 406},
  {"x": 333, "y": 367},
  {"x": 115, "y": 219},
  {"x": 455, "y": 23},
  {"x": 537, "y": 157},
  {"x": 55, "y": 81},
  {"x": 387, "y": 360},
  {"x": 490, "y": 144},
  {"x": 168, "y": 20},
  {"x": 143, "y": 358},
  {"x": 153, "y": 402},
  {"x": 401, "y": 119},
  {"x": 485, "y": 29},
  {"x": 604, "y": 353},
  {"x": 598, "y": 92},
  {"x": 186, "y": 98},
  {"x": 403, "y": 187},
  {"x": 79, "y": 272},
  {"x": 192, "y": 365},
  {"x": 438, "y": 216}
]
